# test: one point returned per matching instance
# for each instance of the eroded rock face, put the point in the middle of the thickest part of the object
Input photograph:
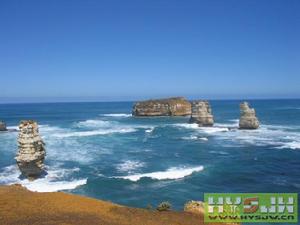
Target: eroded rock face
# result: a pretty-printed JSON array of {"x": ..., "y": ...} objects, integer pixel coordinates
[
  {"x": 31, "y": 154},
  {"x": 248, "y": 119},
  {"x": 163, "y": 107},
  {"x": 3, "y": 126},
  {"x": 201, "y": 113}
]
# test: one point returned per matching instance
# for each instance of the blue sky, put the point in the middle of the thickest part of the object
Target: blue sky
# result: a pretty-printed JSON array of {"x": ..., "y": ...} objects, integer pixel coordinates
[{"x": 128, "y": 50}]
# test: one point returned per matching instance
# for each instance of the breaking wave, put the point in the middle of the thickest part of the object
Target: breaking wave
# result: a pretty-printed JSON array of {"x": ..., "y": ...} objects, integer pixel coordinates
[
  {"x": 170, "y": 174},
  {"x": 53, "y": 181}
]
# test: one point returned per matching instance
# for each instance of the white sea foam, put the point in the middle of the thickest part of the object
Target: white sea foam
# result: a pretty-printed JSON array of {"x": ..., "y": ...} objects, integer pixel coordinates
[
  {"x": 42, "y": 186},
  {"x": 116, "y": 115},
  {"x": 95, "y": 132},
  {"x": 195, "y": 126},
  {"x": 150, "y": 130},
  {"x": 194, "y": 137},
  {"x": 219, "y": 152},
  {"x": 266, "y": 135},
  {"x": 53, "y": 181},
  {"x": 13, "y": 127},
  {"x": 170, "y": 174},
  {"x": 187, "y": 125},
  {"x": 94, "y": 123},
  {"x": 279, "y": 136},
  {"x": 42, "y": 128},
  {"x": 130, "y": 166},
  {"x": 292, "y": 145},
  {"x": 203, "y": 138},
  {"x": 210, "y": 130}
]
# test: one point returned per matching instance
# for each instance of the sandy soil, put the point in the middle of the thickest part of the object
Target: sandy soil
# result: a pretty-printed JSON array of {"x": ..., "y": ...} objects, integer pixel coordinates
[{"x": 22, "y": 207}]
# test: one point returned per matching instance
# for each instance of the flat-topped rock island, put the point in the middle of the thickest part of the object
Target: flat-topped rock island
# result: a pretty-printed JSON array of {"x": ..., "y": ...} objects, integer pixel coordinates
[{"x": 177, "y": 106}]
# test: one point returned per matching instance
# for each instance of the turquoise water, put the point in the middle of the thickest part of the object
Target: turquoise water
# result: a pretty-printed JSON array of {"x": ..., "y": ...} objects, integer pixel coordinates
[{"x": 99, "y": 150}]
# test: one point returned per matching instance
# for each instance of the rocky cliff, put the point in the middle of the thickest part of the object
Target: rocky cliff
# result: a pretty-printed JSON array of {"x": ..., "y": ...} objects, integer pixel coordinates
[
  {"x": 31, "y": 154},
  {"x": 3, "y": 126},
  {"x": 163, "y": 107},
  {"x": 201, "y": 113},
  {"x": 248, "y": 119}
]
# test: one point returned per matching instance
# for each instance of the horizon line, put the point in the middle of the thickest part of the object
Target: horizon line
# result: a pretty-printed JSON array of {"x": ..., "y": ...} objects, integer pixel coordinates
[{"x": 143, "y": 99}]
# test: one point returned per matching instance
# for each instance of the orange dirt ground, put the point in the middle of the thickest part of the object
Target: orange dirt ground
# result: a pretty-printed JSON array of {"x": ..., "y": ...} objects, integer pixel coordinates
[{"x": 18, "y": 206}]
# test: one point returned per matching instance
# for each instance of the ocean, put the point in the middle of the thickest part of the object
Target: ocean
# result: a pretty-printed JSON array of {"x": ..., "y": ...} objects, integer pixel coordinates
[{"x": 99, "y": 150}]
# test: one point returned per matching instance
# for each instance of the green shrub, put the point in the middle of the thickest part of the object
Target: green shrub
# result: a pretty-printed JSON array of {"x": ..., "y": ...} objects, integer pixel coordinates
[{"x": 164, "y": 206}]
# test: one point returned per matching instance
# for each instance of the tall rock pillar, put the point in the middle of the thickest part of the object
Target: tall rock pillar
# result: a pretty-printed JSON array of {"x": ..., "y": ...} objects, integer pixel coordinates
[
  {"x": 201, "y": 113},
  {"x": 248, "y": 119},
  {"x": 31, "y": 153}
]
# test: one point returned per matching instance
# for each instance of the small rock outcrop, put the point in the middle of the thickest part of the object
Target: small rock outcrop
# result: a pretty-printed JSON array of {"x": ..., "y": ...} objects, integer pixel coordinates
[
  {"x": 248, "y": 119},
  {"x": 163, "y": 107},
  {"x": 31, "y": 154},
  {"x": 3, "y": 126},
  {"x": 194, "y": 207},
  {"x": 201, "y": 113}
]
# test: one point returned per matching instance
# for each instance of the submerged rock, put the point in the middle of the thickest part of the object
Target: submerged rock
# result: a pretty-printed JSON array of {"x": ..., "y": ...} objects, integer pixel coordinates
[
  {"x": 194, "y": 207},
  {"x": 248, "y": 119},
  {"x": 162, "y": 107},
  {"x": 201, "y": 113},
  {"x": 3, "y": 126},
  {"x": 31, "y": 154}
]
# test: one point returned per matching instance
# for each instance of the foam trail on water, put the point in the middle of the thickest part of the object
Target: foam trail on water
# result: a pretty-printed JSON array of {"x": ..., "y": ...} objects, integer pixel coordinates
[
  {"x": 116, "y": 115},
  {"x": 187, "y": 125},
  {"x": 170, "y": 174},
  {"x": 194, "y": 137},
  {"x": 94, "y": 123},
  {"x": 94, "y": 132},
  {"x": 195, "y": 126},
  {"x": 210, "y": 130}
]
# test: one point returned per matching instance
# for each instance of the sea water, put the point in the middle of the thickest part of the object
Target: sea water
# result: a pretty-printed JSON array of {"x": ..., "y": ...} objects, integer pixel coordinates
[{"x": 99, "y": 150}]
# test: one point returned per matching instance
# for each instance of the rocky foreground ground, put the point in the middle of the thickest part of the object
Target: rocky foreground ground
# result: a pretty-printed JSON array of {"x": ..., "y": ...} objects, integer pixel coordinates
[{"x": 20, "y": 206}]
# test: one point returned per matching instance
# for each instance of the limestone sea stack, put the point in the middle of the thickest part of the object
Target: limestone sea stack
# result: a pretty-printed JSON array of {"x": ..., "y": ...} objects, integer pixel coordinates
[
  {"x": 31, "y": 154},
  {"x": 3, "y": 126},
  {"x": 248, "y": 119},
  {"x": 201, "y": 113},
  {"x": 178, "y": 106}
]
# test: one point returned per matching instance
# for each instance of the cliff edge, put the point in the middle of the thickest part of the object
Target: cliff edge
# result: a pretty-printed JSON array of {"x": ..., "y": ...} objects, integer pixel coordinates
[{"x": 20, "y": 206}]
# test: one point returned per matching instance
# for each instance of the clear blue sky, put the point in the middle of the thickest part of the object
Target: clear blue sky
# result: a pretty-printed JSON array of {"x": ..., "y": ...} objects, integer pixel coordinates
[{"x": 119, "y": 50}]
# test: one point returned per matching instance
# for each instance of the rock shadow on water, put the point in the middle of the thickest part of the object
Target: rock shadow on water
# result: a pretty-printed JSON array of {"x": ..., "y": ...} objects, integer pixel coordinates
[{"x": 42, "y": 175}]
